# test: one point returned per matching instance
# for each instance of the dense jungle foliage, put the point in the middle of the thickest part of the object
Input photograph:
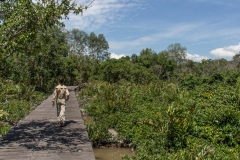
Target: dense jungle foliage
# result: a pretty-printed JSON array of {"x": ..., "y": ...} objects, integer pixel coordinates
[
  {"x": 169, "y": 106},
  {"x": 167, "y": 120}
]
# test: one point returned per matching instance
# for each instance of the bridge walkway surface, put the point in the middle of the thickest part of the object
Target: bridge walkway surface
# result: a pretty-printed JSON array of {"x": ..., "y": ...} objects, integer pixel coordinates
[{"x": 39, "y": 137}]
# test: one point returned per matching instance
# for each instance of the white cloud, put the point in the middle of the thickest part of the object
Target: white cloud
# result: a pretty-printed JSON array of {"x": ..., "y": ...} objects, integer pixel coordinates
[
  {"x": 101, "y": 12},
  {"x": 116, "y": 56},
  {"x": 196, "y": 57},
  {"x": 229, "y": 51}
]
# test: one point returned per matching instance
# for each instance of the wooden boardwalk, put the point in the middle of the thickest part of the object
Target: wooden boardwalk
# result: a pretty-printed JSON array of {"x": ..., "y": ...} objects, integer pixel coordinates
[{"x": 39, "y": 137}]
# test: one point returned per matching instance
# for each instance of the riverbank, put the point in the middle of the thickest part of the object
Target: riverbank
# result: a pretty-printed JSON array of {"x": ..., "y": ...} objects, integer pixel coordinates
[{"x": 104, "y": 153}]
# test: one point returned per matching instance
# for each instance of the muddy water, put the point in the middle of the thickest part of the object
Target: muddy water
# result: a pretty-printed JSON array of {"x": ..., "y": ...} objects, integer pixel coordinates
[
  {"x": 112, "y": 153},
  {"x": 104, "y": 153}
]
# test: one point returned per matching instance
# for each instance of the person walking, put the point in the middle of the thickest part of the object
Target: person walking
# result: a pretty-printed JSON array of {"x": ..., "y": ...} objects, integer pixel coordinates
[{"x": 60, "y": 96}]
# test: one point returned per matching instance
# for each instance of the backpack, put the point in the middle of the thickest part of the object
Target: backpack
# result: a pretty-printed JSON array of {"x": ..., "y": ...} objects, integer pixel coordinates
[{"x": 61, "y": 92}]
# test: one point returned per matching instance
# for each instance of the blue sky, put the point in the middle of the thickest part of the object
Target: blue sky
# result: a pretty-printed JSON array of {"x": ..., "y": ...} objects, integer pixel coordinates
[{"x": 210, "y": 29}]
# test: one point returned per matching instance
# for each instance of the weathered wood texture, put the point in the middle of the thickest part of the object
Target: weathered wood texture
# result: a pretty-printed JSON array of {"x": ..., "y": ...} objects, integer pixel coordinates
[{"x": 39, "y": 137}]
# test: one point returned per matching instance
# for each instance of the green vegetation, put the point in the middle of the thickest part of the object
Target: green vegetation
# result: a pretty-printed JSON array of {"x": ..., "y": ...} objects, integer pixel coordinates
[
  {"x": 167, "y": 121},
  {"x": 17, "y": 100},
  {"x": 169, "y": 106}
]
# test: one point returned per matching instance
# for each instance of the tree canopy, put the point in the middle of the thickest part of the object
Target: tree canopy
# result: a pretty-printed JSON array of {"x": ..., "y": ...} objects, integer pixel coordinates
[{"x": 24, "y": 19}]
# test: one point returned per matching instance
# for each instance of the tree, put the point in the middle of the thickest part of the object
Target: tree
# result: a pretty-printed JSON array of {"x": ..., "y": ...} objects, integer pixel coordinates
[
  {"x": 134, "y": 58},
  {"x": 41, "y": 69},
  {"x": 24, "y": 19},
  {"x": 191, "y": 67},
  {"x": 91, "y": 45},
  {"x": 98, "y": 46},
  {"x": 147, "y": 58},
  {"x": 115, "y": 70},
  {"x": 176, "y": 52},
  {"x": 168, "y": 65},
  {"x": 236, "y": 61},
  {"x": 78, "y": 41}
]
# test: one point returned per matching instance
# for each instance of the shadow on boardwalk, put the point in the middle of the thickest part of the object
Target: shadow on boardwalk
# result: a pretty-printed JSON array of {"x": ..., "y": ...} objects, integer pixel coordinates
[{"x": 46, "y": 136}]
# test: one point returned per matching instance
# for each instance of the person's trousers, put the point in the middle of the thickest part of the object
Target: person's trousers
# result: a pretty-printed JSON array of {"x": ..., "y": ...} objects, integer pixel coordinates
[{"x": 61, "y": 105}]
